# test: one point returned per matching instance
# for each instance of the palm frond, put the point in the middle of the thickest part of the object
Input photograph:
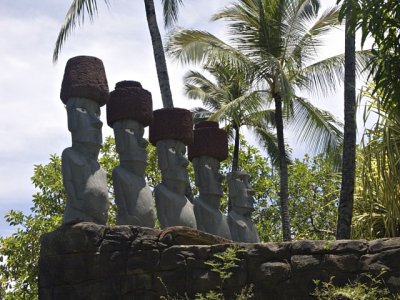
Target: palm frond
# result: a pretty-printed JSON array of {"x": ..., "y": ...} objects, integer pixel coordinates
[
  {"x": 200, "y": 114},
  {"x": 171, "y": 10},
  {"x": 317, "y": 128},
  {"x": 323, "y": 77},
  {"x": 75, "y": 15}
]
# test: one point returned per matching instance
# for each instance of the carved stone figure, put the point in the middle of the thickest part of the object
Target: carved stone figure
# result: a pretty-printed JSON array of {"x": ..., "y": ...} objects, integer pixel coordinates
[
  {"x": 210, "y": 146},
  {"x": 84, "y": 89},
  {"x": 239, "y": 218},
  {"x": 171, "y": 131},
  {"x": 129, "y": 111}
]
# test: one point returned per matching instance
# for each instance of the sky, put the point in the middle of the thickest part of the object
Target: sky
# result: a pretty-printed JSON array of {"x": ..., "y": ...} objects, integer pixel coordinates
[{"x": 33, "y": 122}]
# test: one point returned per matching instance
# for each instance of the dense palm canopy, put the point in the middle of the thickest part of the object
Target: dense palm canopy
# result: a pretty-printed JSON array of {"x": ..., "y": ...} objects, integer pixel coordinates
[
  {"x": 277, "y": 42},
  {"x": 76, "y": 15},
  {"x": 231, "y": 98}
]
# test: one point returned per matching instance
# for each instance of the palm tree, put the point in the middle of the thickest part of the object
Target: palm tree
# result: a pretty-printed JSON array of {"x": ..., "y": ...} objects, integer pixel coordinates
[
  {"x": 277, "y": 41},
  {"x": 230, "y": 98},
  {"x": 76, "y": 14},
  {"x": 346, "y": 201}
]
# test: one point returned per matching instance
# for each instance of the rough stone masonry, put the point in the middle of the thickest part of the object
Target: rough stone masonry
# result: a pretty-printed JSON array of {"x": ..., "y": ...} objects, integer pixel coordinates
[{"x": 89, "y": 261}]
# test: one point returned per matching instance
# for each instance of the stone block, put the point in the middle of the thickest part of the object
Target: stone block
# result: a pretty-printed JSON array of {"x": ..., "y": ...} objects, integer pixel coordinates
[
  {"x": 309, "y": 247},
  {"x": 143, "y": 261},
  {"x": 388, "y": 260},
  {"x": 172, "y": 258},
  {"x": 201, "y": 280},
  {"x": 342, "y": 262},
  {"x": 170, "y": 282},
  {"x": 301, "y": 263},
  {"x": 270, "y": 273},
  {"x": 136, "y": 282},
  {"x": 83, "y": 237},
  {"x": 383, "y": 245},
  {"x": 348, "y": 246}
]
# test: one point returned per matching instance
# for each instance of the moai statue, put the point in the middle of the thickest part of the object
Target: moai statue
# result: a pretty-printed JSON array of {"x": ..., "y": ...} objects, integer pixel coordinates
[
  {"x": 129, "y": 111},
  {"x": 170, "y": 132},
  {"x": 239, "y": 218},
  {"x": 209, "y": 148},
  {"x": 84, "y": 89}
]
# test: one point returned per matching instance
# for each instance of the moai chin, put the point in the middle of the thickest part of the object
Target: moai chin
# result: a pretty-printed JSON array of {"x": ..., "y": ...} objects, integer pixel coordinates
[
  {"x": 209, "y": 148},
  {"x": 239, "y": 218},
  {"x": 170, "y": 132},
  {"x": 129, "y": 111},
  {"x": 84, "y": 90}
]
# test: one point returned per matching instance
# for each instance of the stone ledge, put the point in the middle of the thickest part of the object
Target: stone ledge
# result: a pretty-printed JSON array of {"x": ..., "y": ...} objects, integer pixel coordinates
[{"x": 89, "y": 261}]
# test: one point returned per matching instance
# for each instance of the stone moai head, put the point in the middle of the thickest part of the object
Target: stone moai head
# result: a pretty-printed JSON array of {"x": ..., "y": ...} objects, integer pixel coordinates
[
  {"x": 209, "y": 148},
  {"x": 241, "y": 192},
  {"x": 129, "y": 111},
  {"x": 171, "y": 132},
  {"x": 84, "y": 90}
]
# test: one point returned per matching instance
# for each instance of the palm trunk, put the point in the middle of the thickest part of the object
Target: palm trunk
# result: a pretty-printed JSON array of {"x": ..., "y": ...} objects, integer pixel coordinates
[
  {"x": 283, "y": 170},
  {"x": 159, "y": 55},
  {"x": 345, "y": 212},
  {"x": 235, "y": 160}
]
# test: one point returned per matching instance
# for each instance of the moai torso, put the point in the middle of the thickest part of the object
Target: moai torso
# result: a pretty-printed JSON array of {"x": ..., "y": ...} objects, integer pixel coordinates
[
  {"x": 210, "y": 219},
  {"x": 85, "y": 183},
  {"x": 242, "y": 228},
  {"x": 173, "y": 209},
  {"x": 134, "y": 199}
]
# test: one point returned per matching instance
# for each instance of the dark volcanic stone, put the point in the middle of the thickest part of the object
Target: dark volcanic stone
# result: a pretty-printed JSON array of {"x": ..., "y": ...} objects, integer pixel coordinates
[
  {"x": 209, "y": 140},
  {"x": 85, "y": 77},
  {"x": 171, "y": 123},
  {"x": 129, "y": 101}
]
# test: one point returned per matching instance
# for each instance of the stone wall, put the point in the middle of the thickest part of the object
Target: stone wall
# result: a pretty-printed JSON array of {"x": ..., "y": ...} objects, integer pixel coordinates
[{"x": 88, "y": 261}]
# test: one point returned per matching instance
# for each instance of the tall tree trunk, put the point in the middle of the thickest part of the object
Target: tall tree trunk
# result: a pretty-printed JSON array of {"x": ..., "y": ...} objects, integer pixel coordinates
[
  {"x": 349, "y": 143},
  {"x": 159, "y": 55},
  {"x": 283, "y": 170},
  {"x": 235, "y": 160}
]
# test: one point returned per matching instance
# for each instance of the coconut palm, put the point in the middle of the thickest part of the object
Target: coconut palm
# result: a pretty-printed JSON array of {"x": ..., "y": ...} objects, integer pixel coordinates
[
  {"x": 76, "y": 14},
  {"x": 345, "y": 211},
  {"x": 277, "y": 41},
  {"x": 230, "y": 98}
]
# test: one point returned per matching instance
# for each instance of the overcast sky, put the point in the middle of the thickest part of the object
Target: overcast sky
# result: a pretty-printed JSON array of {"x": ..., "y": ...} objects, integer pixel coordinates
[{"x": 33, "y": 121}]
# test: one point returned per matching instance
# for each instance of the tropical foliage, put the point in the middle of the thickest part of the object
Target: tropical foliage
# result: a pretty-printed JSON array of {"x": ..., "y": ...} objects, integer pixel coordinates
[
  {"x": 380, "y": 20},
  {"x": 229, "y": 97},
  {"x": 276, "y": 42},
  {"x": 378, "y": 211},
  {"x": 312, "y": 202}
]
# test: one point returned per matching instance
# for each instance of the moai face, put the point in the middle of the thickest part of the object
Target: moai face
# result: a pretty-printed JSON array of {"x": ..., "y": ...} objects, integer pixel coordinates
[
  {"x": 130, "y": 144},
  {"x": 172, "y": 161},
  {"x": 241, "y": 192},
  {"x": 84, "y": 121},
  {"x": 207, "y": 175}
]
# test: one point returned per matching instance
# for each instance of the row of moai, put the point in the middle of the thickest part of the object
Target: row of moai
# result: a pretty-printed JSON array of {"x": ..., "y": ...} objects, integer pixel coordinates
[{"x": 129, "y": 110}]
